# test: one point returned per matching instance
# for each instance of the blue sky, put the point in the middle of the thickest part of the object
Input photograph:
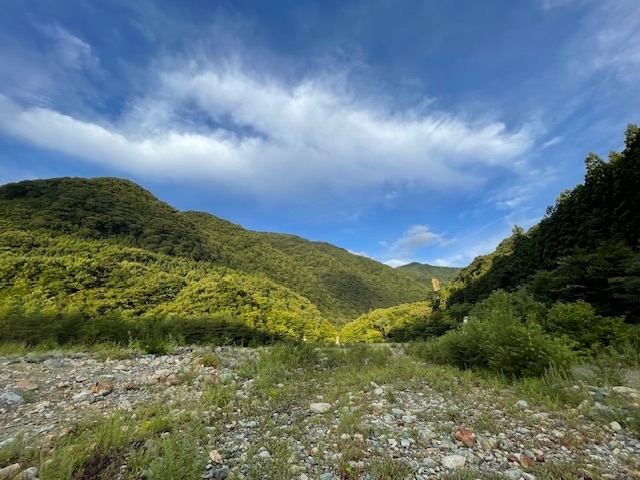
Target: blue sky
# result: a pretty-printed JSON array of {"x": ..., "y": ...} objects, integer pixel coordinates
[{"x": 401, "y": 130}]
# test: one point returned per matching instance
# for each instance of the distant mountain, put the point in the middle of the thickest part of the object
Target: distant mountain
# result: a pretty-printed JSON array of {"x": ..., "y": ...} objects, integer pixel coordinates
[
  {"x": 425, "y": 273},
  {"x": 107, "y": 244}
]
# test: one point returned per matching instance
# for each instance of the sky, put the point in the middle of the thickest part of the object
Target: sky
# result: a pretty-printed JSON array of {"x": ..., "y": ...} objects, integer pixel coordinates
[{"x": 400, "y": 130}]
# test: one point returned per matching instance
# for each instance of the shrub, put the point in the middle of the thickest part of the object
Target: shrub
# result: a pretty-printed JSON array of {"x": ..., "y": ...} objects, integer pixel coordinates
[{"x": 503, "y": 336}]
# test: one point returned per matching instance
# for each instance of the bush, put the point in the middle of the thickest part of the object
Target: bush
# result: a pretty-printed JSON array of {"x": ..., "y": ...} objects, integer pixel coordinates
[
  {"x": 503, "y": 336},
  {"x": 579, "y": 322}
]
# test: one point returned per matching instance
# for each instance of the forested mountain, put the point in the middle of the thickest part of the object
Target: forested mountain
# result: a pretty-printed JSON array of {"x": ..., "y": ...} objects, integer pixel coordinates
[
  {"x": 430, "y": 275},
  {"x": 107, "y": 245},
  {"x": 587, "y": 247}
]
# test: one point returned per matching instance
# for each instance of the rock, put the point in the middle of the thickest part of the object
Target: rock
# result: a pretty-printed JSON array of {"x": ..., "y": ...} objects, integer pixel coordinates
[
  {"x": 488, "y": 444},
  {"x": 405, "y": 443},
  {"x": 409, "y": 418},
  {"x": 264, "y": 454},
  {"x": 319, "y": 407},
  {"x": 453, "y": 462},
  {"x": 12, "y": 398},
  {"x": 615, "y": 426},
  {"x": 172, "y": 380},
  {"x": 102, "y": 388},
  {"x": 466, "y": 436},
  {"x": 7, "y": 442},
  {"x": 25, "y": 385},
  {"x": 620, "y": 390},
  {"x": 10, "y": 471},
  {"x": 540, "y": 416},
  {"x": 327, "y": 476},
  {"x": 601, "y": 411},
  {"x": 379, "y": 391},
  {"x": 219, "y": 473},
  {"x": 522, "y": 404},
  {"x": 84, "y": 396},
  {"x": 397, "y": 412},
  {"x": 526, "y": 461},
  {"x": 54, "y": 363},
  {"x": 30, "y": 473},
  {"x": 513, "y": 474},
  {"x": 215, "y": 457}
]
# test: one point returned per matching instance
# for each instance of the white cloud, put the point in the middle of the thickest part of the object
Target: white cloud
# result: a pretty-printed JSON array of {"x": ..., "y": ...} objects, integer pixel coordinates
[
  {"x": 259, "y": 135},
  {"x": 396, "y": 262},
  {"x": 417, "y": 237}
]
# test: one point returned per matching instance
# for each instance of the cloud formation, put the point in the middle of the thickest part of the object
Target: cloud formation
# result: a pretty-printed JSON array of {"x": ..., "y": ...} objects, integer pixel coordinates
[{"x": 257, "y": 134}]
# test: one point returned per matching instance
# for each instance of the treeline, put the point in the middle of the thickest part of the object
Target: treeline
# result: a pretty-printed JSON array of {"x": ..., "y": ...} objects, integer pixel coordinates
[{"x": 586, "y": 248}]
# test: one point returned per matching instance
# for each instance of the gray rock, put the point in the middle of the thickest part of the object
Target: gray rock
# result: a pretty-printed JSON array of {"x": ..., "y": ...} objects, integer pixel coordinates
[
  {"x": 397, "y": 412},
  {"x": 264, "y": 454},
  {"x": 83, "y": 397},
  {"x": 409, "y": 418},
  {"x": 30, "y": 473},
  {"x": 453, "y": 462},
  {"x": 327, "y": 476},
  {"x": 601, "y": 411},
  {"x": 513, "y": 474},
  {"x": 319, "y": 407},
  {"x": 7, "y": 442},
  {"x": 219, "y": 473},
  {"x": 12, "y": 398},
  {"x": 522, "y": 404}
]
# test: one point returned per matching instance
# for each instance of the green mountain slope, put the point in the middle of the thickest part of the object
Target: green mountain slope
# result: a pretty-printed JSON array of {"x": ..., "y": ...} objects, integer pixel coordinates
[
  {"x": 48, "y": 226},
  {"x": 425, "y": 273},
  {"x": 586, "y": 248},
  {"x": 341, "y": 284}
]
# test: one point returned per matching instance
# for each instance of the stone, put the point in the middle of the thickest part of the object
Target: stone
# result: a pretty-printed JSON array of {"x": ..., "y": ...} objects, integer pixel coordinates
[
  {"x": 30, "y": 473},
  {"x": 172, "y": 380},
  {"x": 526, "y": 461},
  {"x": 620, "y": 390},
  {"x": 264, "y": 454},
  {"x": 102, "y": 388},
  {"x": 84, "y": 396},
  {"x": 215, "y": 457},
  {"x": 601, "y": 411},
  {"x": 219, "y": 473},
  {"x": 522, "y": 404},
  {"x": 319, "y": 407},
  {"x": 10, "y": 471},
  {"x": 453, "y": 462},
  {"x": 327, "y": 476},
  {"x": 409, "y": 419},
  {"x": 615, "y": 426},
  {"x": 7, "y": 442},
  {"x": 12, "y": 398},
  {"x": 513, "y": 474},
  {"x": 397, "y": 412},
  {"x": 378, "y": 391},
  {"x": 466, "y": 436},
  {"x": 25, "y": 385},
  {"x": 540, "y": 416},
  {"x": 54, "y": 363}
]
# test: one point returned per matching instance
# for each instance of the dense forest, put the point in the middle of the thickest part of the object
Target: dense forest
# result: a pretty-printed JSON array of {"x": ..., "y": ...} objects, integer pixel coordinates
[
  {"x": 586, "y": 248},
  {"x": 105, "y": 247}
]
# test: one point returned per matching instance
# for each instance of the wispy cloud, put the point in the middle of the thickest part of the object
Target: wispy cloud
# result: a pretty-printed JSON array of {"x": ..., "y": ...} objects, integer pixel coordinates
[{"x": 258, "y": 134}]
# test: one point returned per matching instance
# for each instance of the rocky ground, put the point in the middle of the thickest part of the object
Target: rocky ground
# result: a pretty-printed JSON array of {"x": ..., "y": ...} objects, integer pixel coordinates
[{"x": 340, "y": 414}]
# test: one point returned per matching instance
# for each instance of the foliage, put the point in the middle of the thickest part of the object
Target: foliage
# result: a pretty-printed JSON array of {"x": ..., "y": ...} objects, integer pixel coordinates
[
  {"x": 426, "y": 273},
  {"x": 586, "y": 248},
  {"x": 398, "y": 323},
  {"x": 503, "y": 335}
]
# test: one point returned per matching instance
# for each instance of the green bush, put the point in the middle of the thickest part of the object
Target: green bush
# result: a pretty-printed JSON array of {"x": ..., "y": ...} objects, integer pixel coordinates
[
  {"x": 579, "y": 322},
  {"x": 504, "y": 336}
]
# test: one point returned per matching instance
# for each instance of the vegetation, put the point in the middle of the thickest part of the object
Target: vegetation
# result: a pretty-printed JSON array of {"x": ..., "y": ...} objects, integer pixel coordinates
[
  {"x": 586, "y": 248},
  {"x": 429, "y": 274}
]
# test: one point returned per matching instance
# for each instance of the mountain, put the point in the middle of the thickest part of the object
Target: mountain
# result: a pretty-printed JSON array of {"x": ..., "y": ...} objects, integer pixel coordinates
[
  {"x": 107, "y": 245},
  {"x": 587, "y": 247},
  {"x": 430, "y": 275}
]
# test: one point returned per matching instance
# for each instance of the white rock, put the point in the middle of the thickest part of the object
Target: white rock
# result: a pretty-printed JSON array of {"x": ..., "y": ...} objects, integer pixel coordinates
[
  {"x": 453, "y": 462},
  {"x": 12, "y": 398},
  {"x": 10, "y": 471},
  {"x": 615, "y": 426},
  {"x": 522, "y": 404},
  {"x": 513, "y": 474},
  {"x": 319, "y": 407},
  {"x": 264, "y": 454},
  {"x": 620, "y": 390}
]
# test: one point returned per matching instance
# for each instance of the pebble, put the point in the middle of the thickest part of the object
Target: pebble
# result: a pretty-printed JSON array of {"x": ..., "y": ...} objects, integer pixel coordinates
[
  {"x": 453, "y": 462},
  {"x": 522, "y": 404},
  {"x": 12, "y": 398}
]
